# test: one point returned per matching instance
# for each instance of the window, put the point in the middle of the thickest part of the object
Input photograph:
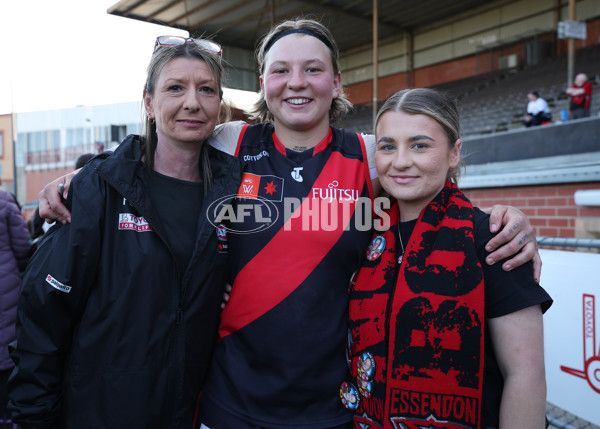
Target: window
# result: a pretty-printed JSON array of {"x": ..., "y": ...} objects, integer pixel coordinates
[
  {"x": 75, "y": 137},
  {"x": 54, "y": 137}
]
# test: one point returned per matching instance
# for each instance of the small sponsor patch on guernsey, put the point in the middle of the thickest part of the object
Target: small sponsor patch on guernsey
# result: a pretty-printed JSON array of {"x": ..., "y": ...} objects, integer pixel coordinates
[{"x": 57, "y": 285}]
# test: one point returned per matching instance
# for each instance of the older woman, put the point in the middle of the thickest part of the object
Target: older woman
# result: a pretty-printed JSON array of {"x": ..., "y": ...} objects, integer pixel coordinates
[{"x": 119, "y": 309}]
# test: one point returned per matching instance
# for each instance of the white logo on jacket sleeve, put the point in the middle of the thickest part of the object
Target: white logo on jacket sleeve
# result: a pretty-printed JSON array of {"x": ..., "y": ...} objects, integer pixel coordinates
[
  {"x": 57, "y": 285},
  {"x": 135, "y": 223}
]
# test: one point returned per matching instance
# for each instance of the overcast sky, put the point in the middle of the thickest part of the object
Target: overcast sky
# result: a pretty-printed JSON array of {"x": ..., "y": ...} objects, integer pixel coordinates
[{"x": 58, "y": 54}]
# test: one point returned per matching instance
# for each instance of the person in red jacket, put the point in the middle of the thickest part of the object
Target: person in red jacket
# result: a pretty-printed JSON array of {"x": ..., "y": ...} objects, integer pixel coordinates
[{"x": 581, "y": 97}]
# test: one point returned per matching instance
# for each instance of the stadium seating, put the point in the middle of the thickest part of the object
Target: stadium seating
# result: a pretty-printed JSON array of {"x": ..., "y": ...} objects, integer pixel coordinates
[{"x": 496, "y": 102}]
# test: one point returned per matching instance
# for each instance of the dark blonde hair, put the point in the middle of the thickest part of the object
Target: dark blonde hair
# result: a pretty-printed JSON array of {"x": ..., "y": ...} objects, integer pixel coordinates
[
  {"x": 339, "y": 106},
  {"x": 160, "y": 59},
  {"x": 433, "y": 103}
]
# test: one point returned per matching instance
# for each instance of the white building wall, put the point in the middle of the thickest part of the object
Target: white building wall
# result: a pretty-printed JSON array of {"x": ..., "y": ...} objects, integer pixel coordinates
[{"x": 85, "y": 126}]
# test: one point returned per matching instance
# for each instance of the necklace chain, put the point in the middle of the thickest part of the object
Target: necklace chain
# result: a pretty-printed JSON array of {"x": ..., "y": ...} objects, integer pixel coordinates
[{"x": 401, "y": 244}]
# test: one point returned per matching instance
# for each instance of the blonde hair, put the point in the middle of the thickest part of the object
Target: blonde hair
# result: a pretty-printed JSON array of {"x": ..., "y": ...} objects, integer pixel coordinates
[
  {"x": 339, "y": 105},
  {"x": 160, "y": 59}
]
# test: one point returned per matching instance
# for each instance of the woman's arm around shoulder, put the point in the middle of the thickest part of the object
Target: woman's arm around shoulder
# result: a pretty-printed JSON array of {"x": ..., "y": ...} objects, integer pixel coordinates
[
  {"x": 506, "y": 291},
  {"x": 515, "y": 240}
]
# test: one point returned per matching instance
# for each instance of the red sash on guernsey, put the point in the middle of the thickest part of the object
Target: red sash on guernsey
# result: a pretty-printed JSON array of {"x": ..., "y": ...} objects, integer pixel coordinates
[
  {"x": 431, "y": 372},
  {"x": 332, "y": 201}
]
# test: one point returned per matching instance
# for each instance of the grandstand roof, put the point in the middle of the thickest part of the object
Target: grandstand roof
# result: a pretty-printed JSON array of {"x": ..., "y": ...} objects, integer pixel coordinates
[{"x": 242, "y": 22}]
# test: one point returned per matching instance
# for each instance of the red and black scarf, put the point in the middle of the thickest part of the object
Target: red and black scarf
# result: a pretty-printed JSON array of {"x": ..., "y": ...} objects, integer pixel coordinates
[{"x": 422, "y": 322}]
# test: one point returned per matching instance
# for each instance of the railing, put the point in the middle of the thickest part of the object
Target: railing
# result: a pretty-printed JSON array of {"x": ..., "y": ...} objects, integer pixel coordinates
[{"x": 591, "y": 243}]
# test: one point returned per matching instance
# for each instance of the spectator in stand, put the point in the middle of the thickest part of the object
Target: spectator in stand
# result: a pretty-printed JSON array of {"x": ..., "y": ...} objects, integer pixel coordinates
[
  {"x": 581, "y": 97},
  {"x": 14, "y": 246},
  {"x": 538, "y": 111}
]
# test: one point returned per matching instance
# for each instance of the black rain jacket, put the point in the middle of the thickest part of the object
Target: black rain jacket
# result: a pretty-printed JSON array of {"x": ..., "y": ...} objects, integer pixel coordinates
[{"x": 109, "y": 334}]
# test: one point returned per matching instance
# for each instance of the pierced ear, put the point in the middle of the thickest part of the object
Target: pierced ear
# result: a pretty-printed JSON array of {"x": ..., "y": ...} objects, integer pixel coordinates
[{"x": 148, "y": 105}]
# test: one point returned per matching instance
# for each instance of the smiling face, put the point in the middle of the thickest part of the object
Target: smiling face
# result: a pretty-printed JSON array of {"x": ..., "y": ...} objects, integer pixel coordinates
[
  {"x": 413, "y": 159},
  {"x": 299, "y": 83},
  {"x": 185, "y": 103}
]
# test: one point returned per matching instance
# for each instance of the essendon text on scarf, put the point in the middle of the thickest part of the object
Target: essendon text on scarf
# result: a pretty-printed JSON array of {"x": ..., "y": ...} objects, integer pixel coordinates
[
  {"x": 420, "y": 407},
  {"x": 440, "y": 406}
]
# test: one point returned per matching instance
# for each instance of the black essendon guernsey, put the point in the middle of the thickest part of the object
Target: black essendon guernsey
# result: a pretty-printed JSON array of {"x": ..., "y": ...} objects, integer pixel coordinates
[{"x": 281, "y": 358}]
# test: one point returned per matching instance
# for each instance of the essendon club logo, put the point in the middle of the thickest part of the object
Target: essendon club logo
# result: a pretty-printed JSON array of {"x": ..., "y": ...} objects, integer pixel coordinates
[{"x": 591, "y": 355}]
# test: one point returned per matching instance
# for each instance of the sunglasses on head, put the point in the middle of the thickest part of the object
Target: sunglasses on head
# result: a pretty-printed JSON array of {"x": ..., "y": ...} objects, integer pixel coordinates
[{"x": 209, "y": 45}]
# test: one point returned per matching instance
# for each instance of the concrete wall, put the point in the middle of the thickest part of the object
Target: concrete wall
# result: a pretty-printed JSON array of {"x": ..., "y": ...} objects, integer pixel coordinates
[{"x": 569, "y": 138}]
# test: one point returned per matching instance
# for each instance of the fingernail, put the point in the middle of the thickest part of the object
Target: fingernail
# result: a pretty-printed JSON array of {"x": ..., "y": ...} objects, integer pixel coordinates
[
  {"x": 508, "y": 267},
  {"x": 488, "y": 248},
  {"x": 494, "y": 227},
  {"x": 490, "y": 261}
]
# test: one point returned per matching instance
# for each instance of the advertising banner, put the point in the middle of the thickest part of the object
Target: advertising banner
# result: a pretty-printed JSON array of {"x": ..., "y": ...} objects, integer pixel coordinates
[{"x": 572, "y": 331}]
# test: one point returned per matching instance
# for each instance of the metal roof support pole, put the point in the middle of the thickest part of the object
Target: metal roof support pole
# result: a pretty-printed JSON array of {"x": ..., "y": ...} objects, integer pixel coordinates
[
  {"x": 571, "y": 54},
  {"x": 375, "y": 60}
]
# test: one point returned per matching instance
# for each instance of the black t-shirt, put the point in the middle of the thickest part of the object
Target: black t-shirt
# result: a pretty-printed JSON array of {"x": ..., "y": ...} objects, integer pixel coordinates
[
  {"x": 505, "y": 293},
  {"x": 178, "y": 204}
]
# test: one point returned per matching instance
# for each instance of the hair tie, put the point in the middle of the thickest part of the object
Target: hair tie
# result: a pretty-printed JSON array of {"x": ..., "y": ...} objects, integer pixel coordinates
[{"x": 297, "y": 30}]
